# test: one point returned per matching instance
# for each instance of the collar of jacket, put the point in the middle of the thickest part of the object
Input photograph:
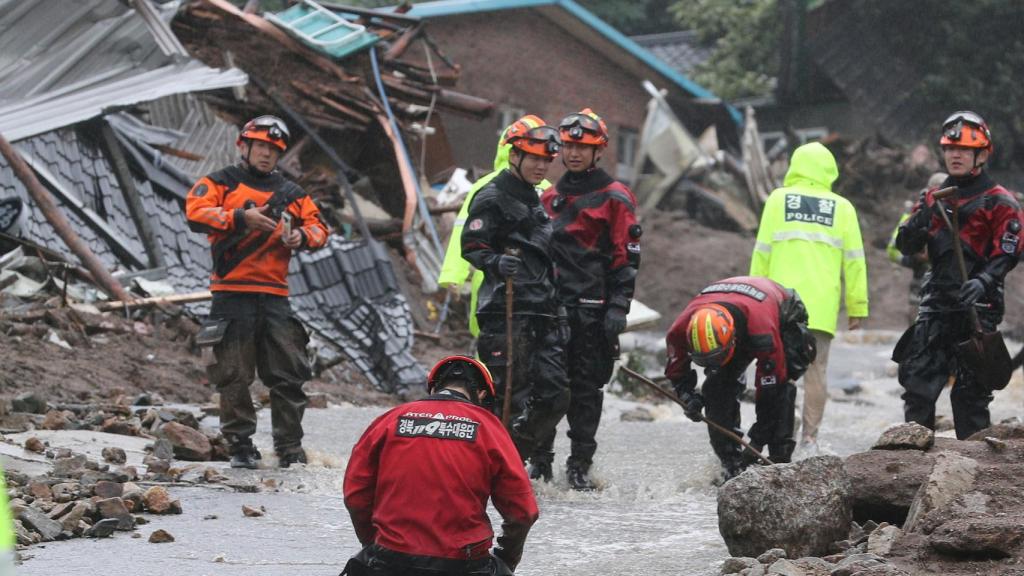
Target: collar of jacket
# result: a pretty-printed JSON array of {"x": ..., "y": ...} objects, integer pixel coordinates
[
  {"x": 269, "y": 181},
  {"x": 574, "y": 184},
  {"x": 449, "y": 394},
  {"x": 970, "y": 185},
  {"x": 518, "y": 189}
]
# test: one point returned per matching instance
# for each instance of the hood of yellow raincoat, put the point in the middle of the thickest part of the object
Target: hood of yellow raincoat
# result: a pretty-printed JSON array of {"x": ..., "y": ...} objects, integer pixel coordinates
[{"x": 812, "y": 165}]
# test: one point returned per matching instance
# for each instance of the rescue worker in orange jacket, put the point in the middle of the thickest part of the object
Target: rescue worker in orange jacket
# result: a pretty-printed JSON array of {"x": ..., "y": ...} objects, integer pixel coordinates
[
  {"x": 418, "y": 482},
  {"x": 254, "y": 218},
  {"x": 596, "y": 250},
  {"x": 727, "y": 326}
]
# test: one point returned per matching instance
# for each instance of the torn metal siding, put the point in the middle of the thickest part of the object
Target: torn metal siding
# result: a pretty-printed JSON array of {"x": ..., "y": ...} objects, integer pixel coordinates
[{"x": 202, "y": 133}]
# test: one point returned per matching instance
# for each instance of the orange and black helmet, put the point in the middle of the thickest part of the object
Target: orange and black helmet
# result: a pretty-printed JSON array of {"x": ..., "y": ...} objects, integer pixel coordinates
[
  {"x": 531, "y": 135},
  {"x": 966, "y": 129},
  {"x": 268, "y": 129},
  {"x": 712, "y": 336},
  {"x": 584, "y": 127},
  {"x": 463, "y": 368}
]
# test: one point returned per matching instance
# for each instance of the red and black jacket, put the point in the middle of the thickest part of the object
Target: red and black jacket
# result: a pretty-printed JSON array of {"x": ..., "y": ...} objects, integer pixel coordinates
[
  {"x": 755, "y": 304},
  {"x": 990, "y": 221},
  {"x": 419, "y": 478},
  {"x": 249, "y": 260},
  {"x": 595, "y": 241}
]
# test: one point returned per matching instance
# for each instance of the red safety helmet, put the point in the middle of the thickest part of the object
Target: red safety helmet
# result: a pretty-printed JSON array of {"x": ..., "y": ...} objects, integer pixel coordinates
[
  {"x": 268, "y": 129},
  {"x": 584, "y": 127},
  {"x": 967, "y": 129},
  {"x": 531, "y": 135},
  {"x": 464, "y": 368},
  {"x": 712, "y": 336}
]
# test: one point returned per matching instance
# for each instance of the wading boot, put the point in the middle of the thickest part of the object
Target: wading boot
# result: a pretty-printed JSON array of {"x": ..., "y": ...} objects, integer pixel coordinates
[
  {"x": 244, "y": 457},
  {"x": 540, "y": 470},
  {"x": 579, "y": 479},
  {"x": 294, "y": 456}
]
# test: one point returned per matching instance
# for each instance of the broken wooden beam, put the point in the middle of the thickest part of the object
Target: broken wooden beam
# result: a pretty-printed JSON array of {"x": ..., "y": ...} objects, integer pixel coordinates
[{"x": 156, "y": 301}]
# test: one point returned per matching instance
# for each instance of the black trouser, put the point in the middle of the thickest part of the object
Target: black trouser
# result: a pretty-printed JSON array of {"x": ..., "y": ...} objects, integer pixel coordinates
[
  {"x": 262, "y": 337},
  {"x": 927, "y": 356},
  {"x": 775, "y": 408},
  {"x": 589, "y": 357},
  {"x": 540, "y": 388},
  {"x": 375, "y": 560}
]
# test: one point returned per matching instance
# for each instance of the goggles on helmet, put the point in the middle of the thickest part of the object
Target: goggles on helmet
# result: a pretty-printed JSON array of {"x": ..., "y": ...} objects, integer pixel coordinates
[
  {"x": 583, "y": 128},
  {"x": 268, "y": 129},
  {"x": 464, "y": 368},
  {"x": 540, "y": 141},
  {"x": 967, "y": 129}
]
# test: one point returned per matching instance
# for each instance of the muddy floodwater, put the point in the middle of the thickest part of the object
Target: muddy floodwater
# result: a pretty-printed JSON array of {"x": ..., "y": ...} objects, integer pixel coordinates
[{"x": 654, "y": 515}]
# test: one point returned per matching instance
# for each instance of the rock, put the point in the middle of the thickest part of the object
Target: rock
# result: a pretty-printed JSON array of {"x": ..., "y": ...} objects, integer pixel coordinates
[
  {"x": 37, "y": 521},
  {"x": 885, "y": 483},
  {"x": 638, "y": 414},
  {"x": 733, "y": 565},
  {"x": 771, "y": 556},
  {"x": 317, "y": 400},
  {"x": 188, "y": 443},
  {"x": 160, "y": 537},
  {"x": 163, "y": 449},
  {"x": 108, "y": 489},
  {"x": 814, "y": 509},
  {"x": 60, "y": 510},
  {"x": 857, "y": 534},
  {"x": 997, "y": 445},
  {"x": 119, "y": 425},
  {"x": 58, "y": 420},
  {"x": 251, "y": 512},
  {"x": 136, "y": 535},
  {"x": 1010, "y": 430},
  {"x": 785, "y": 567},
  {"x": 987, "y": 537},
  {"x": 880, "y": 541},
  {"x": 212, "y": 475},
  {"x": 952, "y": 476},
  {"x": 114, "y": 455},
  {"x": 156, "y": 465},
  {"x": 909, "y": 435},
  {"x": 34, "y": 444},
  {"x": 102, "y": 529},
  {"x": 24, "y": 536},
  {"x": 856, "y": 563},
  {"x": 114, "y": 508},
  {"x": 70, "y": 467},
  {"x": 158, "y": 501},
  {"x": 133, "y": 498},
  {"x": 93, "y": 477},
  {"x": 29, "y": 402},
  {"x": 40, "y": 490},
  {"x": 70, "y": 520},
  {"x": 210, "y": 517},
  {"x": 814, "y": 566},
  {"x": 944, "y": 423},
  {"x": 756, "y": 570},
  {"x": 141, "y": 521}
]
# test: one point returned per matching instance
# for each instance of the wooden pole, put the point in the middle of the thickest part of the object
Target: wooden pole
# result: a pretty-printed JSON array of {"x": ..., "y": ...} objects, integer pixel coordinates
[{"x": 60, "y": 224}]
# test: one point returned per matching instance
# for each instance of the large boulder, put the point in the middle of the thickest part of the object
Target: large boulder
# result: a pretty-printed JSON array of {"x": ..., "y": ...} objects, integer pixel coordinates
[
  {"x": 909, "y": 435},
  {"x": 188, "y": 443},
  {"x": 885, "y": 483},
  {"x": 952, "y": 476},
  {"x": 800, "y": 507},
  {"x": 1011, "y": 430},
  {"x": 986, "y": 537}
]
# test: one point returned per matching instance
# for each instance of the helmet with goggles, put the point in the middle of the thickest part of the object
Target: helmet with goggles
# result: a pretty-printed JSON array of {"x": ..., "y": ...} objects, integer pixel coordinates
[
  {"x": 584, "y": 127},
  {"x": 531, "y": 135},
  {"x": 267, "y": 128},
  {"x": 966, "y": 129},
  {"x": 468, "y": 370}
]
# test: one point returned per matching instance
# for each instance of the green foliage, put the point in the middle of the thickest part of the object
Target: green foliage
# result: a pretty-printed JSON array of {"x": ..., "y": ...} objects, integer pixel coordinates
[
  {"x": 633, "y": 17},
  {"x": 745, "y": 35}
]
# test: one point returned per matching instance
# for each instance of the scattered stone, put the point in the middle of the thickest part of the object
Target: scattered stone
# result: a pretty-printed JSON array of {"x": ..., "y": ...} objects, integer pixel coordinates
[
  {"x": 756, "y": 570},
  {"x": 160, "y": 537},
  {"x": 40, "y": 490},
  {"x": 857, "y": 534},
  {"x": 158, "y": 501},
  {"x": 813, "y": 566},
  {"x": 997, "y": 445},
  {"x": 34, "y": 444},
  {"x": 114, "y": 508},
  {"x": 37, "y": 521},
  {"x": 317, "y": 400},
  {"x": 136, "y": 535},
  {"x": 638, "y": 414},
  {"x": 251, "y": 512},
  {"x": 944, "y": 423},
  {"x": 156, "y": 465},
  {"x": 213, "y": 475},
  {"x": 114, "y": 455},
  {"x": 163, "y": 449},
  {"x": 952, "y": 476},
  {"x": 60, "y": 453},
  {"x": 102, "y": 529},
  {"x": 25, "y": 537},
  {"x": 29, "y": 402},
  {"x": 734, "y": 565},
  {"x": 771, "y": 556},
  {"x": 270, "y": 483},
  {"x": 210, "y": 517},
  {"x": 880, "y": 541},
  {"x": 909, "y": 435},
  {"x": 107, "y": 489},
  {"x": 130, "y": 472},
  {"x": 141, "y": 520},
  {"x": 119, "y": 425},
  {"x": 58, "y": 420},
  {"x": 71, "y": 520},
  {"x": 813, "y": 511},
  {"x": 92, "y": 477},
  {"x": 1006, "y": 430},
  {"x": 785, "y": 567},
  {"x": 885, "y": 483},
  {"x": 60, "y": 510},
  {"x": 70, "y": 467},
  {"x": 188, "y": 443},
  {"x": 990, "y": 537}
]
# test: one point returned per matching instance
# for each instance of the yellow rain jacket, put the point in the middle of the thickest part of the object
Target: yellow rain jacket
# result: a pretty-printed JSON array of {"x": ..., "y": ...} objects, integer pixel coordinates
[
  {"x": 455, "y": 270},
  {"x": 7, "y": 538},
  {"x": 809, "y": 239}
]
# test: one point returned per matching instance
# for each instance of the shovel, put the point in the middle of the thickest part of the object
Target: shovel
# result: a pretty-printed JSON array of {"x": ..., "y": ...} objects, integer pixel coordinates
[{"x": 984, "y": 352}]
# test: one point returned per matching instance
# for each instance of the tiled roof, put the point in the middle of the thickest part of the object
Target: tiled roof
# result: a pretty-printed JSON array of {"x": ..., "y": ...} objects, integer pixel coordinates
[{"x": 680, "y": 50}]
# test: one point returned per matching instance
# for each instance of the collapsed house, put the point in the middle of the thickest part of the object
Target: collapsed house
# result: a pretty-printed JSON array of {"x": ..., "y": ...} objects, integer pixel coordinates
[{"x": 117, "y": 119}]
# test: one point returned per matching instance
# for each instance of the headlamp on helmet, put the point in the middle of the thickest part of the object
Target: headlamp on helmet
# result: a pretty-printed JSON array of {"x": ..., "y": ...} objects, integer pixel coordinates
[
  {"x": 267, "y": 128},
  {"x": 584, "y": 127},
  {"x": 966, "y": 129},
  {"x": 531, "y": 135}
]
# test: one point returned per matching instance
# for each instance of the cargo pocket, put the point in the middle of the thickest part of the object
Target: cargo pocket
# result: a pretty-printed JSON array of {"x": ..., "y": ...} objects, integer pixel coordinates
[
  {"x": 903, "y": 345},
  {"x": 211, "y": 334}
]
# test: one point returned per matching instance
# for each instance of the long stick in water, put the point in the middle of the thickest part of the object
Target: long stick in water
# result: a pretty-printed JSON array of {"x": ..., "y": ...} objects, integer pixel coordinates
[
  {"x": 650, "y": 384},
  {"x": 506, "y": 409}
]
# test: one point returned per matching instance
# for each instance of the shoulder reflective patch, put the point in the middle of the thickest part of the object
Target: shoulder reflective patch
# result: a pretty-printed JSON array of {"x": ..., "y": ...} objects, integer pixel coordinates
[
  {"x": 768, "y": 381},
  {"x": 736, "y": 288},
  {"x": 200, "y": 190},
  {"x": 476, "y": 224},
  {"x": 800, "y": 208},
  {"x": 633, "y": 247},
  {"x": 412, "y": 427}
]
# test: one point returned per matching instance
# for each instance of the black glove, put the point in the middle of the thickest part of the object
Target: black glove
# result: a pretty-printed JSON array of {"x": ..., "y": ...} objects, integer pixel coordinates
[
  {"x": 693, "y": 404},
  {"x": 508, "y": 265},
  {"x": 971, "y": 290},
  {"x": 614, "y": 322}
]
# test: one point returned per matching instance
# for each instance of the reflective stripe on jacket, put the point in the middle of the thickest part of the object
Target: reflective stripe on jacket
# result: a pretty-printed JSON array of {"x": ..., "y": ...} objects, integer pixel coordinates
[{"x": 809, "y": 240}]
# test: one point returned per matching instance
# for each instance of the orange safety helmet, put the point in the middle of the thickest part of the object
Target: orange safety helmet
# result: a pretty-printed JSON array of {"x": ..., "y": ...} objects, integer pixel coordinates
[
  {"x": 465, "y": 368},
  {"x": 584, "y": 127},
  {"x": 967, "y": 129},
  {"x": 712, "y": 332},
  {"x": 268, "y": 129},
  {"x": 531, "y": 135}
]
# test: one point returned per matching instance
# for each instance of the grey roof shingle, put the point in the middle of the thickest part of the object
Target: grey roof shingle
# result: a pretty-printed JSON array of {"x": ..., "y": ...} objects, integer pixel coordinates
[{"x": 680, "y": 50}]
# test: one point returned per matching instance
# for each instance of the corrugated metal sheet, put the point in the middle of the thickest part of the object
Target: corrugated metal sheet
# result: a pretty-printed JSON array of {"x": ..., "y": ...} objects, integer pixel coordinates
[
  {"x": 203, "y": 133},
  {"x": 64, "y": 62}
]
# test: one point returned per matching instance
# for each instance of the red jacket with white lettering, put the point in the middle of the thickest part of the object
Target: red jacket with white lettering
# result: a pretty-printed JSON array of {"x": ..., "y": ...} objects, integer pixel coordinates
[
  {"x": 755, "y": 303},
  {"x": 419, "y": 478}
]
